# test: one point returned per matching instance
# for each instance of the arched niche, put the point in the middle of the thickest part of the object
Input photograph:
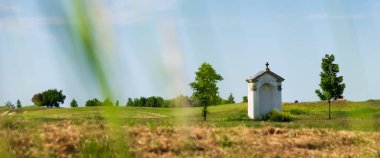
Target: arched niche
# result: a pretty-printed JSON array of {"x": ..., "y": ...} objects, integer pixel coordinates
[{"x": 266, "y": 94}]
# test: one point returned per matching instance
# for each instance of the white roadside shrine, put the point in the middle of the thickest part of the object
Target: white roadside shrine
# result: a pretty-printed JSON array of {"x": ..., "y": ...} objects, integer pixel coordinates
[{"x": 264, "y": 93}]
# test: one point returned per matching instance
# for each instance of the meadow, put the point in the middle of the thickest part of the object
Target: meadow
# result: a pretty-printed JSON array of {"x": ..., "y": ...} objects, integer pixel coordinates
[{"x": 353, "y": 131}]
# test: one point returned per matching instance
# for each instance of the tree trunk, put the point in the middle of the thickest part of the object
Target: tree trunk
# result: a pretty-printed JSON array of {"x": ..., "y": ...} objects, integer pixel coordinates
[
  {"x": 329, "y": 109},
  {"x": 204, "y": 112}
]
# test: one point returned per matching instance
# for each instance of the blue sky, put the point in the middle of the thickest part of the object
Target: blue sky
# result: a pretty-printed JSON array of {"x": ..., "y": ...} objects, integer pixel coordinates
[{"x": 153, "y": 47}]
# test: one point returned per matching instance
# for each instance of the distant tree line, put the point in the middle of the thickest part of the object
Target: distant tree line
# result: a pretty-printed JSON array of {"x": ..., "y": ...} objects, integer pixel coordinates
[
  {"x": 177, "y": 102},
  {"x": 96, "y": 102},
  {"x": 10, "y": 105},
  {"x": 205, "y": 93},
  {"x": 53, "y": 98},
  {"x": 155, "y": 101}
]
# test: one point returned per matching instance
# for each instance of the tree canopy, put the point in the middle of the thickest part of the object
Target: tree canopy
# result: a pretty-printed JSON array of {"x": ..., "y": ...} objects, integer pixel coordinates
[
  {"x": 331, "y": 84},
  {"x": 49, "y": 98},
  {"x": 205, "y": 89},
  {"x": 37, "y": 99},
  {"x": 93, "y": 102}
]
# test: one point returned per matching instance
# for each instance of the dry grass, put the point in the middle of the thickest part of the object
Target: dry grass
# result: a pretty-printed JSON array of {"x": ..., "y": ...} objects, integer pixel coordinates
[
  {"x": 201, "y": 141},
  {"x": 62, "y": 139},
  {"x": 153, "y": 132},
  {"x": 55, "y": 139}
]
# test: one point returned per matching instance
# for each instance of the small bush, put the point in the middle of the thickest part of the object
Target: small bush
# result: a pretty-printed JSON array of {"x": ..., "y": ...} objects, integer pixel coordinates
[
  {"x": 277, "y": 116},
  {"x": 297, "y": 112},
  {"x": 226, "y": 141}
]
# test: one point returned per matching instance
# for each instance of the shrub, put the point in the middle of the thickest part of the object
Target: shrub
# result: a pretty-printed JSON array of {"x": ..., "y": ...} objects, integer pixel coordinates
[
  {"x": 74, "y": 103},
  {"x": 226, "y": 141},
  {"x": 297, "y": 112},
  {"x": 277, "y": 116},
  {"x": 93, "y": 102}
]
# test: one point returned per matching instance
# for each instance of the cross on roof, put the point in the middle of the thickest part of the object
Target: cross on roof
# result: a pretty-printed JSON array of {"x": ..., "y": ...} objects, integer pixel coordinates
[{"x": 267, "y": 64}]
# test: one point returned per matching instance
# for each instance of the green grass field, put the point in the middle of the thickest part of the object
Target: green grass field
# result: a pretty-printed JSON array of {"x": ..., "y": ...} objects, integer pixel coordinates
[{"x": 106, "y": 131}]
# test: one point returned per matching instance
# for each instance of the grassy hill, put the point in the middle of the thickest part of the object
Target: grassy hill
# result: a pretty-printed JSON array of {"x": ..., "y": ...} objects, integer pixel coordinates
[{"x": 151, "y": 132}]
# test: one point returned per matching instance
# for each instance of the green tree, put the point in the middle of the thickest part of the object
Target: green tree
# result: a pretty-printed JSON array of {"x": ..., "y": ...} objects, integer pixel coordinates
[
  {"x": 140, "y": 102},
  {"x": 18, "y": 104},
  {"x": 93, "y": 102},
  {"x": 10, "y": 105},
  {"x": 136, "y": 102},
  {"x": 107, "y": 102},
  {"x": 231, "y": 99},
  {"x": 37, "y": 99},
  {"x": 150, "y": 102},
  {"x": 130, "y": 102},
  {"x": 49, "y": 98},
  {"x": 117, "y": 103},
  {"x": 205, "y": 89},
  {"x": 331, "y": 84},
  {"x": 245, "y": 99},
  {"x": 74, "y": 103}
]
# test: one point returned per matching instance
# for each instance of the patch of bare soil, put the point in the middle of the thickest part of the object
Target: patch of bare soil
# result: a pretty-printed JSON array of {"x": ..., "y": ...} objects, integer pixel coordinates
[{"x": 200, "y": 141}]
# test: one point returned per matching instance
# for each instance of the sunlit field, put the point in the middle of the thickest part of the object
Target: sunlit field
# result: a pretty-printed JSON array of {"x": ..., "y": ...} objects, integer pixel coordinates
[
  {"x": 145, "y": 78},
  {"x": 151, "y": 132}
]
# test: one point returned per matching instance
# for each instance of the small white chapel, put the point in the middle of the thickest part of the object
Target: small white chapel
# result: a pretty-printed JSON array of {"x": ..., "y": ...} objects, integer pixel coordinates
[{"x": 264, "y": 93}]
